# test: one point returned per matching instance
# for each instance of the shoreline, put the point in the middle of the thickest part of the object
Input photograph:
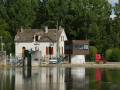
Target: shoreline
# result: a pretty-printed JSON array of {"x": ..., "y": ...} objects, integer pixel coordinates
[{"x": 86, "y": 65}]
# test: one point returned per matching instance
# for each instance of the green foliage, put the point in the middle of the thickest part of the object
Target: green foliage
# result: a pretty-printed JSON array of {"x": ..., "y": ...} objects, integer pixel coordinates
[
  {"x": 81, "y": 19},
  {"x": 108, "y": 54},
  {"x": 93, "y": 52},
  {"x": 6, "y": 37},
  {"x": 115, "y": 55}
]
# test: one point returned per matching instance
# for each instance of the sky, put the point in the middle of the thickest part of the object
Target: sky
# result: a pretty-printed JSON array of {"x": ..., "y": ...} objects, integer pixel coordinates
[{"x": 113, "y": 4}]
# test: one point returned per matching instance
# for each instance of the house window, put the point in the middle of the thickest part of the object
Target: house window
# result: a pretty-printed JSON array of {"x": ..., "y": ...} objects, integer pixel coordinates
[
  {"x": 49, "y": 50},
  {"x": 86, "y": 46},
  {"x": 76, "y": 46},
  {"x": 68, "y": 46},
  {"x": 80, "y": 46},
  {"x": 62, "y": 38}
]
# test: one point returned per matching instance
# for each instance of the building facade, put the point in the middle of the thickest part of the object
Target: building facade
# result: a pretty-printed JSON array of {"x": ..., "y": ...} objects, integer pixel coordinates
[
  {"x": 77, "y": 49},
  {"x": 49, "y": 41}
]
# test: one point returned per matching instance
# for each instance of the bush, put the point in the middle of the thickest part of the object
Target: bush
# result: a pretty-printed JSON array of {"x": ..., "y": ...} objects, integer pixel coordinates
[
  {"x": 107, "y": 54},
  {"x": 93, "y": 52},
  {"x": 115, "y": 55}
]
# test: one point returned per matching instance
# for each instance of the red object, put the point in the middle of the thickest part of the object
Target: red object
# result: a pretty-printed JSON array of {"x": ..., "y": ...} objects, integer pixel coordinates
[{"x": 97, "y": 56}]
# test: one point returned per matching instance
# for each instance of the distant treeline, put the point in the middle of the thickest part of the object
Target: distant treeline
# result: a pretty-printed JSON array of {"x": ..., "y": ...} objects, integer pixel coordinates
[{"x": 81, "y": 19}]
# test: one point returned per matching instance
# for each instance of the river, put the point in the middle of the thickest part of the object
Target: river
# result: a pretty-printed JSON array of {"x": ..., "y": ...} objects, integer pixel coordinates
[{"x": 59, "y": 78}]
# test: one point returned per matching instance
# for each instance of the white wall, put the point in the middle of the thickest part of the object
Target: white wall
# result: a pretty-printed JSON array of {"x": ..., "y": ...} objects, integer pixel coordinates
[
  {"x": 77, "y": 59},
  {"x": 28, "y": 45},
  {"x": 61, "y": 43}
]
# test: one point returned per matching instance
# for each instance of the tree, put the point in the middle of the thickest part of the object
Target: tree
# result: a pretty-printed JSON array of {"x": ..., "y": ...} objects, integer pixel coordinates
[
  {"x": 108, "y": 54},
  {"x": 92, "y": 53},
  {"x": 20, "y": 13},
  {"x": 7, "y": 40},
  {"x": 115, "y": 55}
]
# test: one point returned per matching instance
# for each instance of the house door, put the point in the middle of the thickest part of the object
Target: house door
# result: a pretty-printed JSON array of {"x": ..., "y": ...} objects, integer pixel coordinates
[{"x": 23, "y": 49}]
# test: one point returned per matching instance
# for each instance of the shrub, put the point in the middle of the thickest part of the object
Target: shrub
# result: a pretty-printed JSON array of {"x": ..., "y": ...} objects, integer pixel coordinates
[
  {"x": 93, "y": 52},
  {"x": 107, "y": 54},
  {"x": 115, "y": 55}
]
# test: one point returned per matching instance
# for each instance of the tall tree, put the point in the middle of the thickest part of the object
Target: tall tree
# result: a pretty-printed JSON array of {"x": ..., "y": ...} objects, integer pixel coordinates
[
  {"x": 21, "y": 13},
  {"x": 6, "y": 36}
]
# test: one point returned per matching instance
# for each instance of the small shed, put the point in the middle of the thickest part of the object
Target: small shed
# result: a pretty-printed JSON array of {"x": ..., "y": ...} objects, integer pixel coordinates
[{"x": 77, "y": 49}]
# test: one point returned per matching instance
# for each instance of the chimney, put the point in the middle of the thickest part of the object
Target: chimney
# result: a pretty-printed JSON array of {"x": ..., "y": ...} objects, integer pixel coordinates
[
  {"x": 21, "y": 30},
  {"x": 46, "y": 29},
  {"x": 60, "y": 28}
]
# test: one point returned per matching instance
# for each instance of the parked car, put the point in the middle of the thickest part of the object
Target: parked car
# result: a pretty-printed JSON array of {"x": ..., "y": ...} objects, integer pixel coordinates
[{"x": 53, "y": 61}]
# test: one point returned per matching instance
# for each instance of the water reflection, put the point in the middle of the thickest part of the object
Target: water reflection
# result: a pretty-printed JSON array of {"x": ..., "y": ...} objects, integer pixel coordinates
[
  {"x": 40, "y": 78},
  {"x": 7, "y": 77},
  {"x": 76, "y": 78},
  {"x": 98, "y": 78},
  {"x": 59, "y": 78},
  {"x": 98, "y": 74}
]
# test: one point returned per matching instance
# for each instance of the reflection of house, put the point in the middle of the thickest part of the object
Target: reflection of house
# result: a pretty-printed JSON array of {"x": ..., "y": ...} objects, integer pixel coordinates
[
  {"x": 76, "y": 78},
  {"x": 78, "y": 73},
  {"x": 40, "y": 79},
  {"x": 40, "y": 40},
  {"x": 77, "y": 49}
]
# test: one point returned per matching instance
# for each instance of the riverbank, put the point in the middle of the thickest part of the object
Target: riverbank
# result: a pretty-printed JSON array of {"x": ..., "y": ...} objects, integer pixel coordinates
[{"x": 87, "y": 65}]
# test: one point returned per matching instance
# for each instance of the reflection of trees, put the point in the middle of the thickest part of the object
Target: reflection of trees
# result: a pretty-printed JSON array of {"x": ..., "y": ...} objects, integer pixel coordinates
[
  {"x": 7, "y": 79},
  {"x": 108, "y": 77},
  {"x": 112, "y": 75}
]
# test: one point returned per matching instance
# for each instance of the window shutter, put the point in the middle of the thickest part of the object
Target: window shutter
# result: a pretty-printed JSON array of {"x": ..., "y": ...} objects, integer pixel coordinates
[{"x": 46, "y": 50}]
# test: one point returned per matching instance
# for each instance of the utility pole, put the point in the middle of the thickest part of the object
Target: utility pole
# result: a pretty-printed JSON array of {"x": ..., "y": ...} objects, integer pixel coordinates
[{"x": 57, "y": 40}]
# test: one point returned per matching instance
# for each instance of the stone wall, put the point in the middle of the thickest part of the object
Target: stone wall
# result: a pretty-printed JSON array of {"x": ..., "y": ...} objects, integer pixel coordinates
[
  {"x": 2, "y": 57},
  {"x": 35, "y": 58}
]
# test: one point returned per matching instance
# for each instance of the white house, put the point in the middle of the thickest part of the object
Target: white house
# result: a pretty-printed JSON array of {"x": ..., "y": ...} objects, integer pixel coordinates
[{"x": 49, "y": 41}]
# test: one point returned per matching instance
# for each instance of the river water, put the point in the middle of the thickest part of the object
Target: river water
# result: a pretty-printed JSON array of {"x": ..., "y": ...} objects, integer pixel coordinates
[{"x": 60, "y": 78}]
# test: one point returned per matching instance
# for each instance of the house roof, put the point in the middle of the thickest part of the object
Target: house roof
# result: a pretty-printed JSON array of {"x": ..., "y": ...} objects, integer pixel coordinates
[{"x": 27, "y": 35}]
